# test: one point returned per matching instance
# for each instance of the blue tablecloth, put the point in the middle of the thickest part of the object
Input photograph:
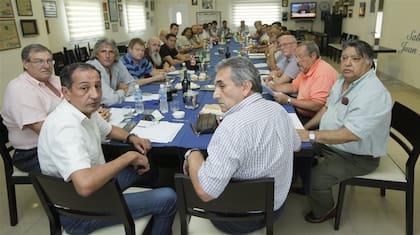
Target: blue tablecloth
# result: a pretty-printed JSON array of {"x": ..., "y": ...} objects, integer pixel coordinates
[{"x": 185, "y": 137}]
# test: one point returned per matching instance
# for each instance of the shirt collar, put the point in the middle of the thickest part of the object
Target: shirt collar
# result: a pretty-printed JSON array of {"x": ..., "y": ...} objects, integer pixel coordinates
[
  {"x": 245, "y": 102},
  {"x": 35, "y": 81},
  {"x": 313, "y": 68}
]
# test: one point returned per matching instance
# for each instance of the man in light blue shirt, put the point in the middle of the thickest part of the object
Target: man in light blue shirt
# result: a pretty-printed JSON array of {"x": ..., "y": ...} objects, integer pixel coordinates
[{"x": 353, "y": 128}]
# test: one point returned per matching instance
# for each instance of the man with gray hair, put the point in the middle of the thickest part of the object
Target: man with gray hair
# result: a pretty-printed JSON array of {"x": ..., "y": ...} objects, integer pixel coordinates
[
  {"x": 116, "y": 80},
  {"x": 256, "y": 139}
]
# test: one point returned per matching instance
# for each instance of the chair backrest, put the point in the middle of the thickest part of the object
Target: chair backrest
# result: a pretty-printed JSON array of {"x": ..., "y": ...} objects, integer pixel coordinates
[
  {"x": 240, "y": 201},
  {"x": 406, "y": 122},
  {"x": 59, "y": 197},
  {"x": 5, "y": 149},
  {"x": 60, "y": 62}
]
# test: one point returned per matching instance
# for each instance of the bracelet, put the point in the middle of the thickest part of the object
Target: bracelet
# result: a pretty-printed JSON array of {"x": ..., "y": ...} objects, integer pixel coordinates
[{"x": 127, "y": 140}]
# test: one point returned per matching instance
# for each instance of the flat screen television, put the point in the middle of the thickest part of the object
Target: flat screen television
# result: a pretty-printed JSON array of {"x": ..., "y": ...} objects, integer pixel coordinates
[{"x": 303, "y": 10}]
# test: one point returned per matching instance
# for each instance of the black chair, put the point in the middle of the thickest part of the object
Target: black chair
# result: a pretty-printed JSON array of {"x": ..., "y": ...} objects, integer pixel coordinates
[
  {"x": 240, "y": 201},
  {"x": 13, "y": 175},
  {"x": 59, "y": 62},
  {"x": 60, "y": 198},
  {"x": 405, "y": 128}
]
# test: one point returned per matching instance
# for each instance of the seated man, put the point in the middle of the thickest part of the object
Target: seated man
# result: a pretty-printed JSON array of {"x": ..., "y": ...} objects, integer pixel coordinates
[
  {"x": 256, "y": 139},
  {"x": 28, "y": 99},
  {"x": 313, "y": 84},
  {"x": 75, "y": 130},
  {"x": 353, "y": 128},
  {"x": 197, "y": 42},
  {"x": 116, "y": 80},
  {"x": 138, "y": 66},
  {"x": 174, "y": 28},
  {"x": 286, "y": 68},
  {"x": 184, "y": 42},
  {"x": 170, "y": 54},
  {"x": 243, "y": 28},
  {"x": 224, "y": 30},
  {"x": 152, "y": 54}
]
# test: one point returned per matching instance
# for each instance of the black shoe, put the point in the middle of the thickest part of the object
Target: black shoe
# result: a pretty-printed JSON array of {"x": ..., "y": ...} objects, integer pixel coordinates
[{"x": 312, "y": 219}]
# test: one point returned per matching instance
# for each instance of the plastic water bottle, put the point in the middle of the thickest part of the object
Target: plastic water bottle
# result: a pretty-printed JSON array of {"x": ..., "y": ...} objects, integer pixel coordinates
[
  {"x": 138, "y": 98},
  {"x": 163, "y": 101}
]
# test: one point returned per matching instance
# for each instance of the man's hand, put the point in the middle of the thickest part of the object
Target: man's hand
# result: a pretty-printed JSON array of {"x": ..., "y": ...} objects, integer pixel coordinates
[
  {"x": 281, "y": 98},
  {"x": 303, "y": 134},
  {"x": 139, "y": 162},
  {"x": 105, "y": 113},
  {"x": 123, "y": 86},
  {"x": 142, "y": 145}
]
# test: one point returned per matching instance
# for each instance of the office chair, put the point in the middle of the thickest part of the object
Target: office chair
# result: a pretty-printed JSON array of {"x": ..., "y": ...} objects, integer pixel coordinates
[
  {"x": 60, "y": 198},
  {"x": 240, "y": 201},
  {"x": 405, "y": 124},
  {"x": 13, "y": 175}
]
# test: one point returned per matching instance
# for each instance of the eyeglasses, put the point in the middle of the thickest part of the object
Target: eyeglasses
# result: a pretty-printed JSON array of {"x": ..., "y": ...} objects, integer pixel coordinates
[
  {"x": 42, "y": 62},
  {"x": 285, "y": 44},
  {"x": 353, "y": 59}
]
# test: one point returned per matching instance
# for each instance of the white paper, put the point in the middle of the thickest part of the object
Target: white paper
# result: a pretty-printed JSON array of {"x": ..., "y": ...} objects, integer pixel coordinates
[
  {"x": 256, "y": 56},
  {"x": 260, "y": 65},
  {"x": 157, "y": 132},
  {"x": 295, "y": 120},
  {"x": 264, "y": 71},
  {"x": 173, "y": 73},
  {"x": 117, "y": 115},
  {"x": 145, "y": 97}
]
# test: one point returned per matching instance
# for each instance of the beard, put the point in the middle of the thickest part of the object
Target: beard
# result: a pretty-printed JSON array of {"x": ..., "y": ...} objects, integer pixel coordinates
[{"x": 157, "y": 60}]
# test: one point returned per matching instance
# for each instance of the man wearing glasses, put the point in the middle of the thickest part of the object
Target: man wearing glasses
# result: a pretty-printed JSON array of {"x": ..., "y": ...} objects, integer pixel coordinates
[{"x": 27, "y": 101}]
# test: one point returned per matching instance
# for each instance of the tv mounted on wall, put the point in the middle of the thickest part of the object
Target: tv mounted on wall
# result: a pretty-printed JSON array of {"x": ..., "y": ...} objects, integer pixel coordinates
[{"x": 303, "y": 10}]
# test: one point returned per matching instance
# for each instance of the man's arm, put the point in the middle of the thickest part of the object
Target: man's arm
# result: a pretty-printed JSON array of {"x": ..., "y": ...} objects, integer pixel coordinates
[
  {"x": 314, "y": 122},
  {"x": 172, "y": 61},
  {"x": 154, "y": 78},
  {"x": 142, "y": 145},
  {"x": 36, "y": 127},
  {"x": 191, "y": 166},
  {"x": 340, "y": 136},
  {"x": 287, "y": 88},
  {"x": 88, "y": 180}
]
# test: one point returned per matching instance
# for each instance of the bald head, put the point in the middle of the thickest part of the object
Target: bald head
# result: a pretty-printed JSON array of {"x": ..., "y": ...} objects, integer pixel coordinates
[{"x": 153, "y": 44}]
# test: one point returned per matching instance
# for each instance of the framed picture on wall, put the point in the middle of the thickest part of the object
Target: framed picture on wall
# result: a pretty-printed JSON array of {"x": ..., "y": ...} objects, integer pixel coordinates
[
  {"x": 208, "y": 4},
  {"x": 6, "y": 10},
  {"x": 50, "y": 8},
  {"x": 24, "y": 7},
  {"x": 29, "y": 28},
  {"x": 284, "y": 3},
  {"x": 362, "y": 8},
  {"x": 9, "y": 37},
  {"x": 113, "y": 10}
]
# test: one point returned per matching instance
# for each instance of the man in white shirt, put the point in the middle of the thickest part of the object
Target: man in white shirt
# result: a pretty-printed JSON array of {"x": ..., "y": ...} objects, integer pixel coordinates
[{"x": 75, "y": 130}]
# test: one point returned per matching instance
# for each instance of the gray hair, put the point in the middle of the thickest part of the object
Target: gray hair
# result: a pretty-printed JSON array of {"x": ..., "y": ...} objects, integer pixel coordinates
[
  {"x": 362, "y": 48},
  {"x": 242, "y": 69},
  {"x": 66, "y": 75},
  {"x": 33, "y": 48},
  {"x": 105, "y": 41},
  {"x": 311, "y": 47}
]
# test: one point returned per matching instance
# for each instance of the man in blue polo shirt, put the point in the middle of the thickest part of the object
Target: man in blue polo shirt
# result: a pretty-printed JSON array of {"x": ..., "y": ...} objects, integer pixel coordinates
[{"x": 138, "y": 66}]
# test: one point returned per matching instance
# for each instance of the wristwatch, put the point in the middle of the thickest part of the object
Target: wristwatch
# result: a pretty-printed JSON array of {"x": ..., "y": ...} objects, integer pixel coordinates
[
  {"x": 289, "y": 100},
  {"x": 312, "y": 136},
  {"x": 127, "y": 140},
  {"x": 187, "y": 154}
]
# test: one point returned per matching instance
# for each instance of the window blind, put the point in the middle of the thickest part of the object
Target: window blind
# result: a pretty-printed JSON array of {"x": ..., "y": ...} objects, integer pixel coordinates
[
  {"x": 84, "y": 19},
  {"x": 267, "y": 11},
  {"x": 136, "y": 17}
]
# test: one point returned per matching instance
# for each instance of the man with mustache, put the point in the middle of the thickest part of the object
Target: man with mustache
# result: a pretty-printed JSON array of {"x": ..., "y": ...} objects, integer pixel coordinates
[
  {"x": 353, "y": 128},
  {"x": 152, "y": 54}
]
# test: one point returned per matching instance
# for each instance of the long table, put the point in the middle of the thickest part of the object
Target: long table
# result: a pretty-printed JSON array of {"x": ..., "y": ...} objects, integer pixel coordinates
[{"x": 186, "y": 138}]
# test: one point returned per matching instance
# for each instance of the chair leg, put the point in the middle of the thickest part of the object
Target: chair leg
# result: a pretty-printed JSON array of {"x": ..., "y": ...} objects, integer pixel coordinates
[
  {"x": 340, "y": 201},
  {"x": 383, "y": 192},
  {"x": 409, "y": 203},
  {"x": 11, "y": 195}
]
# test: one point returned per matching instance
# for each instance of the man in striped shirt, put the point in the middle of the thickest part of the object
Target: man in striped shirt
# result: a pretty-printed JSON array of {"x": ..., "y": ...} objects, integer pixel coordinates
[
  {"x": 138, "y": 66},
  {"x": 256, "y": 139}
]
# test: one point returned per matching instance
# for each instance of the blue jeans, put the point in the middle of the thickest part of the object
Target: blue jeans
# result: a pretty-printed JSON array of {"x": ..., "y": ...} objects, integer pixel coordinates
[
  {"x": 160, "y": 203},
  {"x": 243, "y": 227},
  {"x": 128, "y": 177},
  {"x": 26, "y": 160}
]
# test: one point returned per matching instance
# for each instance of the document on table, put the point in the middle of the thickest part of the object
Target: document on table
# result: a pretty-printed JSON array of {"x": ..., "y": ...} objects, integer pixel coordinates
[
  {"x": 158, "y": 132},
  {"x": 260, "y": 65},
  {"x": 256, "y": 55},
  {"x": 146, "y": 97},
  {"x": 264, "y": 71},
  {"x": 118, "y": 115},
  {"x": 295, "y": 120}
]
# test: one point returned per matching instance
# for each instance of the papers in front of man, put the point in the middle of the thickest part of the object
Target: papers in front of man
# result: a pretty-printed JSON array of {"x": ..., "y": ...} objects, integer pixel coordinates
[
  {"x": 295, "y": 120},
  {"x": 256, "y": 55},
  {"x": 212, "y": 108},
  {"x": 146, "y": 97},
  {"x": 260, "y": 65},
  {"x": 118, "y": 115},
  {"x": 157, "y": 132}
]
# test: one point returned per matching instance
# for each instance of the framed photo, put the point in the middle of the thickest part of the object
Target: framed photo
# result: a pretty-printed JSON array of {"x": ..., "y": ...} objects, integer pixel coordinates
[
  {"x": 29, "y": 27},
  {"x": 284, "y": 3},
  {"x": 152, "y": 5},
  {"x": 209, "y": 16},
  {"x": 208, "y": 4},
  {"x": 362, "y": 8},
  {"x": 9, "y": 37},
  {"x": 113, "y": 10},
  {"x": 50, "y": 8},
  {"x": 24, "y": 7},
  {"x": 194, "y": 2},
  {"x": 6, "y": 10}
]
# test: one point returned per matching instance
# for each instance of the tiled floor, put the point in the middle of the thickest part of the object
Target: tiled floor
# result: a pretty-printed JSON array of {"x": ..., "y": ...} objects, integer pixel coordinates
[{"x": 365, "y": 212}]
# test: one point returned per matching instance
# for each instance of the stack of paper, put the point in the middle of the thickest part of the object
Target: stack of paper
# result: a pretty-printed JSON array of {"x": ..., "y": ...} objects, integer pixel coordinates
[
  {"x": 157, "y": 132},
  {"x": 119, "y": 114},
  {"x": 260, "y": 65},
  {"x": 256, "y": 55},
  {"x": 146, "y": 97}
]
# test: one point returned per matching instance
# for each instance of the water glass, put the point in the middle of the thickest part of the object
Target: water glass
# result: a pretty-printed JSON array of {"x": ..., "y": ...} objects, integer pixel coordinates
[{"x": 174, "y": 105}]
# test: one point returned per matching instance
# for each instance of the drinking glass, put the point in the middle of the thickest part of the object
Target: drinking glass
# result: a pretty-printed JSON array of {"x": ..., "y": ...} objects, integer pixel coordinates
[{"x": 174, "y": 105}]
